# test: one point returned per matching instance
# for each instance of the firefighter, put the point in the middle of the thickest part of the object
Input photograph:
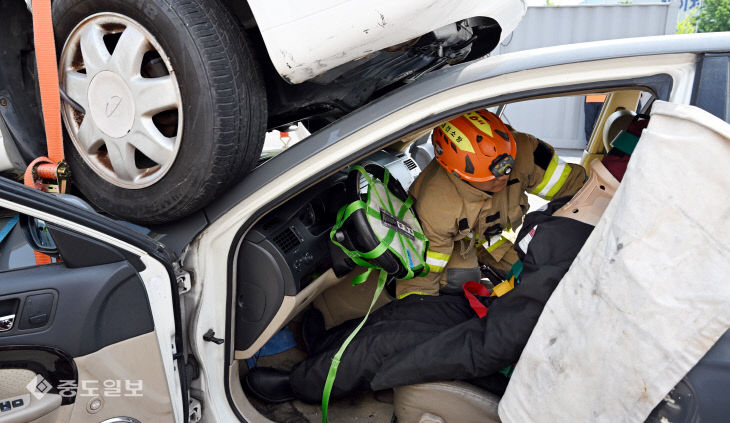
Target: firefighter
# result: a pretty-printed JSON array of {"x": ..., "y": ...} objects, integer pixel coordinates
[
  {"x": 429, "y": 338},
  {"x": 474, "y": 192}
]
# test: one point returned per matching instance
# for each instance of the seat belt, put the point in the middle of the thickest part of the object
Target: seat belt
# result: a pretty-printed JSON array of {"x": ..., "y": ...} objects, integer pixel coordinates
[
  {"x": 9, "y": 225},
  {"x": 51, "y": 173}
]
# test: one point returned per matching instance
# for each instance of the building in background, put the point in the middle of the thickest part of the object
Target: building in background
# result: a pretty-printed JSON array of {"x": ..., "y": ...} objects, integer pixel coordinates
[{"x": 561, "y": 121}]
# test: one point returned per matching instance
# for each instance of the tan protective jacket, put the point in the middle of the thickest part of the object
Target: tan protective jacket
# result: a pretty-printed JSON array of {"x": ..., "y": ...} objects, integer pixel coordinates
[{"x": 458, "y": 218}]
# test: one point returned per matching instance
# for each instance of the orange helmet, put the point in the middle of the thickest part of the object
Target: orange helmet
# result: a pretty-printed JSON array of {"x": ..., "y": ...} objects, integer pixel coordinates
[{"x": 476, "y": 147}]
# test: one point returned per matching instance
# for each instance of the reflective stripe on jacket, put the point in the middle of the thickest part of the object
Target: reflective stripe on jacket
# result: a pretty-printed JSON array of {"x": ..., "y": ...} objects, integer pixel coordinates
[{"x": 452, "y": 212}]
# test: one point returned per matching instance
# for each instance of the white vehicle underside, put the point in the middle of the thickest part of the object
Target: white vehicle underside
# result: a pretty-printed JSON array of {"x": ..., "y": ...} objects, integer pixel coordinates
[{"x": 371, "y": 26}]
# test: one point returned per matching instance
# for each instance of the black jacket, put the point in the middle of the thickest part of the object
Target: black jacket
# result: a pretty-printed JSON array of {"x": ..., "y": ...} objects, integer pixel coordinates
[
  {"x": 480, "y": 347},
  {"x": 423, "y": 339}
]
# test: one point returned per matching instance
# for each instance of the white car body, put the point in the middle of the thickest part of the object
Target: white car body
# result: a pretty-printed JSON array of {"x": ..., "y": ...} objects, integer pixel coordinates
[
  {"x": 207, "y": 272},
  {"x": 300, "y": 47},
  {"x": 211, "y": 266}
]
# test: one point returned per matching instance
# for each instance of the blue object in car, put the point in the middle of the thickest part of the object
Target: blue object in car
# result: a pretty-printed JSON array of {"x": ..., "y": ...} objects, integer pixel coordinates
[{"x": 280, "y": 342}]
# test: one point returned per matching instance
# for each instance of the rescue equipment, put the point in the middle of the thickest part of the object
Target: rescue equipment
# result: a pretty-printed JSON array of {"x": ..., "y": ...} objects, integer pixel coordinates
[
  {"x": 380, "y": 232},
  {"x": 48, "y": 173},
  {"x": 476, "y": 147},
  {"x": 474, "y": 289}
]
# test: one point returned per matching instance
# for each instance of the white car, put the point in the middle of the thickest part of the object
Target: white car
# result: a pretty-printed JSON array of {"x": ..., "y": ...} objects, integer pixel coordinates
[
  {"x": 166, "y": 102},
  {"x": 175, "y": 313}
]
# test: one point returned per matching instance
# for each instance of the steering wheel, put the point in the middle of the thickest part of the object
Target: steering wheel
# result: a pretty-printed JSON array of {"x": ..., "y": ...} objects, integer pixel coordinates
[{"x": 356, "y": 233}]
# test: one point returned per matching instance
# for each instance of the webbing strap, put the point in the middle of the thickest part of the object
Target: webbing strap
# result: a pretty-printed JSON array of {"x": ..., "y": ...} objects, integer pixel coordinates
[
  {"x": 516, "y": 271},
  {"x": 338, "y": 356},
  {"x": 471, "y": 290},
  {"x": 8, "y": 227},
  {"x": 399, "y": 214},
  {"x": 342, "y": 215},
  {"x": 45, "y": 54},
  {"x": 360, "y": 257}
]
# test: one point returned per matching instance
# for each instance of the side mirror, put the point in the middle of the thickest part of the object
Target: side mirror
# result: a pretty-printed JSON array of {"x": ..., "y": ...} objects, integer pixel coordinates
[{"x": 38, "y": 235}]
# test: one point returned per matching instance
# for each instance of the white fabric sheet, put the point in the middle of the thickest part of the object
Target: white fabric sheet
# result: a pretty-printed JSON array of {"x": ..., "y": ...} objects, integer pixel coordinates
[{"x": 648, "y": 294}]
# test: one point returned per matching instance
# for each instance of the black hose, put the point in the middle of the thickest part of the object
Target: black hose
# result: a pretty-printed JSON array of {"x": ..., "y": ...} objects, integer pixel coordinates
[{"x": 76, "y": 106}]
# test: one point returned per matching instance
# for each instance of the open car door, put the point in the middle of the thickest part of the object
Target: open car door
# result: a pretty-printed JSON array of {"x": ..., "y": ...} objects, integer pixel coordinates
[{"x": 95, "y": 335}]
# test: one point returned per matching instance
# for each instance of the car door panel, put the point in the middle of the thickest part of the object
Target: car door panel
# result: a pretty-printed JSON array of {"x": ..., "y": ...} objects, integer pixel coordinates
[
  {"x": 85, "y": 343},
  {"x": 90, "y": 307},
  {"x": 100, "y": 317}
]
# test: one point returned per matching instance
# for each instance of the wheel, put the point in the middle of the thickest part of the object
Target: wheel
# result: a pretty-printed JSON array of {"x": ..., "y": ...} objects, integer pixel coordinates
[{"x": 164, "y": 108}]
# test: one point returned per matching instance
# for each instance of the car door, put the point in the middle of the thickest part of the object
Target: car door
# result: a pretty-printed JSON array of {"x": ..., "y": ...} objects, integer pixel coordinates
[{"x": 94, "y": 335}]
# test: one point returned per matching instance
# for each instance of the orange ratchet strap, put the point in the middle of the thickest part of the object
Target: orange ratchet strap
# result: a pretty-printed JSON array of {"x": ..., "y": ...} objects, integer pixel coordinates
[{"x": 48, "y": 173}]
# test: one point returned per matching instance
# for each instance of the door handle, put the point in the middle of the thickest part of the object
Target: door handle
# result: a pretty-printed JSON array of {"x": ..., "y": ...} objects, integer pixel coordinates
[{"x": 6, "y": 322}]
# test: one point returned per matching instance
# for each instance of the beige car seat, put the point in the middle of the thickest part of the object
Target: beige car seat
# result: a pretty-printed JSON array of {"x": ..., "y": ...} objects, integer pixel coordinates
[
  {"x": 588, "y": 204},
  {"x": 445, "y": 402}
]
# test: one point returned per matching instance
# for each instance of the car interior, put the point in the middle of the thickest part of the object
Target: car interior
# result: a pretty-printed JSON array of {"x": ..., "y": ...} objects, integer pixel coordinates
[{"x": 287, "y": 264}]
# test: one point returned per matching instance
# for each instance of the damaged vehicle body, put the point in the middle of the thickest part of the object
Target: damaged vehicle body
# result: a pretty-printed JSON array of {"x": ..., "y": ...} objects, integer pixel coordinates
[
  {"x": 156, "y": 93},
  {"x": 251, "y": 262}
]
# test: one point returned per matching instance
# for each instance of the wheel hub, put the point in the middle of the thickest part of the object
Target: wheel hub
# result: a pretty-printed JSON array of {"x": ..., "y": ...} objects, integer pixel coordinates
[{"x": 111, "y": 104}]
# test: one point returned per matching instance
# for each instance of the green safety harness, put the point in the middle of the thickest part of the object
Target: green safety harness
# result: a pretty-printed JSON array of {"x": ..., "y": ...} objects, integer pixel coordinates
[{"x": 394, "y": 224}]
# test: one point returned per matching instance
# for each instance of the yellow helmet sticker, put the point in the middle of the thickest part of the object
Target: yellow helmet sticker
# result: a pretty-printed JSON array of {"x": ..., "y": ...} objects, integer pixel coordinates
[
  {"x": 457, "y": 137},
  {"x": 481, "y": 124}
]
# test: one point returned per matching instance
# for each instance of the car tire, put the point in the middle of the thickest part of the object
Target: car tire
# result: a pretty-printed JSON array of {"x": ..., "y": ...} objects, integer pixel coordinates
[{"x": 174, "y": 118}]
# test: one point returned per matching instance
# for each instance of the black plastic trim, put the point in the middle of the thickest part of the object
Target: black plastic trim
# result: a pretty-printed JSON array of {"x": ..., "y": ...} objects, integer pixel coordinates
[
  {"x": 79, "y": 250},
  {"x": 711, "y": 91},
  {"x": 94, "y": 307},
  {"x": 48, "y": 203}
]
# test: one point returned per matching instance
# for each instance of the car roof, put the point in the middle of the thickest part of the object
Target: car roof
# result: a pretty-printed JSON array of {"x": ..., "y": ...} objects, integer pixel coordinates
[{"x": 178, "y": 234}]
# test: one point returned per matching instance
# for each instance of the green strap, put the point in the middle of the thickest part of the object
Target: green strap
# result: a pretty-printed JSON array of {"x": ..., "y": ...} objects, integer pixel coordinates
[
  {"x": 507, "y": 371},
  {"x": 342, "y": 216},
  {"x": 362, "y": 277},
  {"x": 336, "y": 359},
  {"x": 360, "y": 258},
  {"x": 516, "y": 271}
]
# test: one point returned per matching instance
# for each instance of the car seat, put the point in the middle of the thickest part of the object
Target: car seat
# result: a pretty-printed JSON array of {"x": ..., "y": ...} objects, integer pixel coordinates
[
  {"x": 445, "y": 402},
  {"x": 615, "y": 123}
]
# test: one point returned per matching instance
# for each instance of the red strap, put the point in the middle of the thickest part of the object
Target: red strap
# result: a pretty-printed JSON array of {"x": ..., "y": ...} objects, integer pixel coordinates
[{"x": 471, "y": 290}]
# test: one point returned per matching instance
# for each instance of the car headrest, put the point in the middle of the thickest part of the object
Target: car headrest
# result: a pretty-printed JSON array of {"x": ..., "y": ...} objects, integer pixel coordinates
[{"x": 615, "y": 123}]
